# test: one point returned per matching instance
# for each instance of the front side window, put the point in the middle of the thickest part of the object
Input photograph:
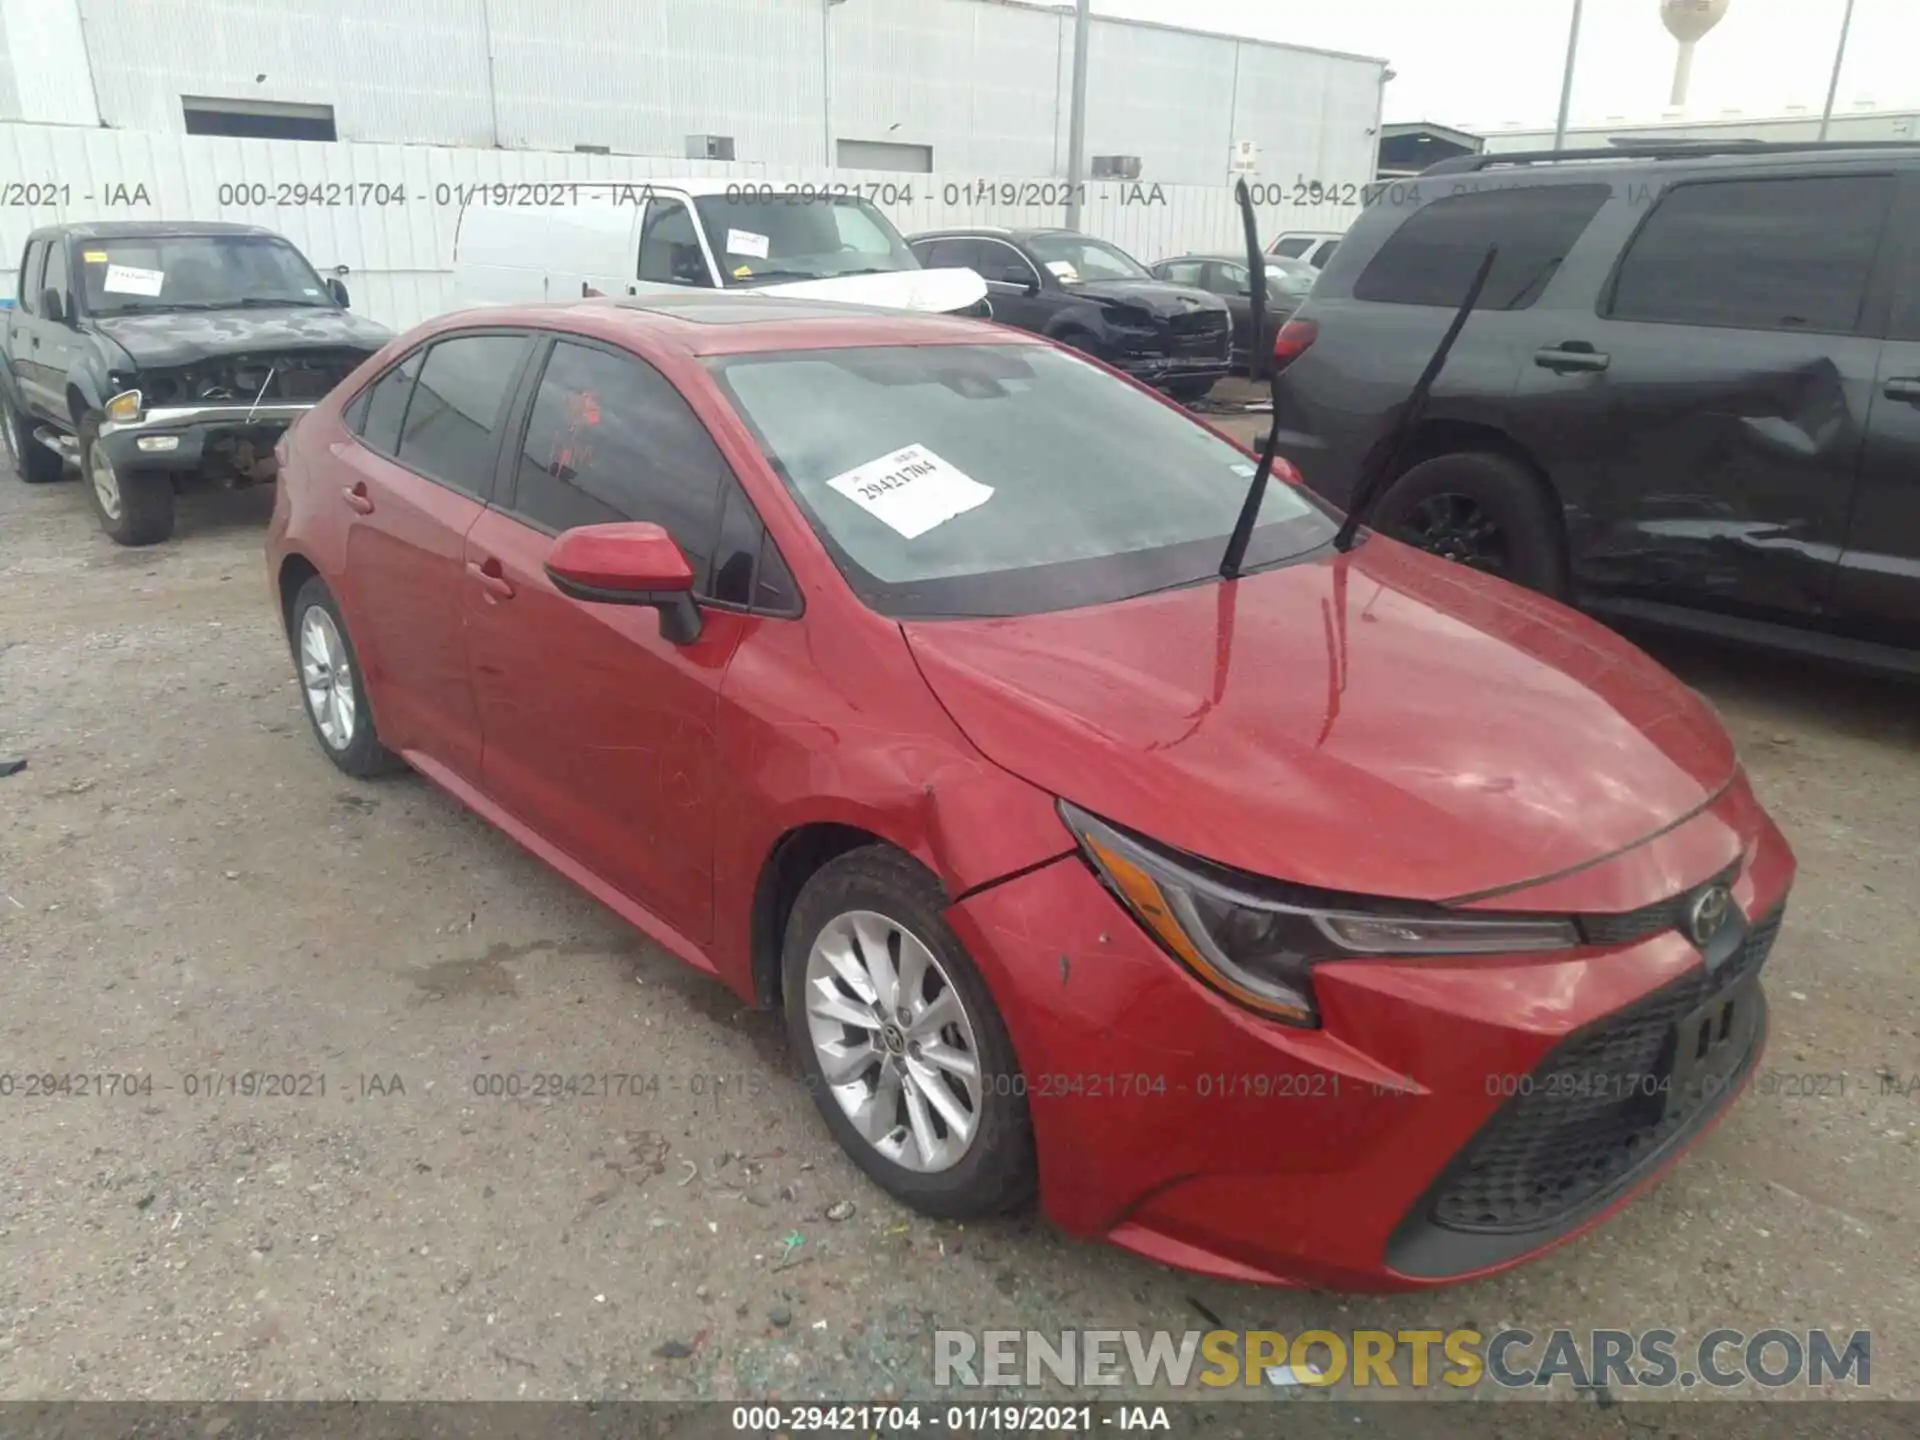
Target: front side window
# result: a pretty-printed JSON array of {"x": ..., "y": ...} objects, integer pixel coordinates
[
  {"x": 55, "y": 278},
  {"x": 992, "y": 480},
  {"x": 196, "y": 272},
  {"x": 1185, "y": 272},
  {"x": 669, "y": 248},
  {"x": 611, "y": 440},
  {"x": 1432, "y": 258},
  {"x": 1294, "y": 248},
  {"x": 799, "y": 237},
  {"x": 1073, "y": 258},
  {"x": 1792, "y": 254},
  {"x": 452, "y": 422}
]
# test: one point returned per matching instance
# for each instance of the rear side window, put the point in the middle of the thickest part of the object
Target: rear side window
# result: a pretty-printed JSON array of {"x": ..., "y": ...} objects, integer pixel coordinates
[
  {"x": 30, "y": 277},
  {"x": 1293, "y": 249},
  {"x": 1431, "y": 259},
  {"x": 375, "y": 415},
  {"x": 610, "y": 439},
  {"x": 453, "y": 420},
  {"x": 1792, "y": 254}
]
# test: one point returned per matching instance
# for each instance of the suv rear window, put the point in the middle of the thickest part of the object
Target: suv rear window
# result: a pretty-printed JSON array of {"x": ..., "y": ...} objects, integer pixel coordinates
[
  {"x": 1788, "y": 254},
  {"x": 1431, "y": 259}
]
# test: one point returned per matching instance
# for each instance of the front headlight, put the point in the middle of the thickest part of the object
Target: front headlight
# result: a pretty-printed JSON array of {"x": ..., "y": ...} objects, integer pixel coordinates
[
  {"x": 1258, "y": 940},
  {"x": 124, "y": 406}
]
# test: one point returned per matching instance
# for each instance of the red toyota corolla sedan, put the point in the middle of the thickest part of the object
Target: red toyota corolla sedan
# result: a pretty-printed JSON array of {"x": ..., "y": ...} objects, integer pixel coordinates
[{"x": 1363, "y": 922}]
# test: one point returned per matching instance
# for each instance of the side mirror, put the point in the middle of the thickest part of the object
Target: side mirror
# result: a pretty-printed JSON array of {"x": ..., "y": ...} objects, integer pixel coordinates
[
  {"x": 338, "y": 290},
  {"x": 53, "y": 305},
  {"x": 631, "y": 563}
]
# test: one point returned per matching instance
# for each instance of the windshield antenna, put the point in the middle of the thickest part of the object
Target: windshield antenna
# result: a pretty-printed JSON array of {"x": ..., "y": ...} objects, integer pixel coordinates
[
  {"x": 1385, "y": 457},
  {"x": 1257, "y": 491}
]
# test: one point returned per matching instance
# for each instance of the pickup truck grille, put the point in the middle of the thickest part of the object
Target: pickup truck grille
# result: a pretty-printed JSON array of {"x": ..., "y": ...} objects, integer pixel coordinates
[{"x": 301, "y": 377}]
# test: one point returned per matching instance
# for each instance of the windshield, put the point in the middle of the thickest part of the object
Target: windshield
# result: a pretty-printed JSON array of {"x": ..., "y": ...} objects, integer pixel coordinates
[
  {"x": 1002, "y": 480},
  {"x": 194, "y": 272},
  {"x": 799, "y": 237},
  {"x": 1080, "y": 257}
]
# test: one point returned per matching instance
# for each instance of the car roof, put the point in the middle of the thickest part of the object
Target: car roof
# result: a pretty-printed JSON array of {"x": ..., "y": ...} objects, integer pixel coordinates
[
  {"x": 1668, "y": 159},
  {"x": 150, "y": 229},
  {"x": 1219, "y": 256},
  {"x": 995, "y": 232},
  {"x": 704, "y": 323}
]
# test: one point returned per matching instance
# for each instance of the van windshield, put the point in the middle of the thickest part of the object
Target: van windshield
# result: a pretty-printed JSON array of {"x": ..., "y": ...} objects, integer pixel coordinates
[{"x": 761, "y": 237}]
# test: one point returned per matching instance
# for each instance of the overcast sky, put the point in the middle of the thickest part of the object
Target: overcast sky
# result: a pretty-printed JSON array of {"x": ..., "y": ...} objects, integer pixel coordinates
[{"x": 1481, "y": 63}]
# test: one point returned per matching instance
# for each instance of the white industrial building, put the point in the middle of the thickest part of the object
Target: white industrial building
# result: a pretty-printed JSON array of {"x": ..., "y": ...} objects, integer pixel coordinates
[{"x": 955, "y": 87}]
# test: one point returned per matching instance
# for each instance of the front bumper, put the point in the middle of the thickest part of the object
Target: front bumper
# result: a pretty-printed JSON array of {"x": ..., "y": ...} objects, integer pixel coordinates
[
  {"x": 187, "y": 437},
  {"x": 1380, "y": 1151},
  {"x": 1161, "y": 370}
]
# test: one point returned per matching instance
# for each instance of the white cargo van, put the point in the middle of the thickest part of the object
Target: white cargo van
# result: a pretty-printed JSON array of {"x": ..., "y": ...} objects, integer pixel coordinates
[{"x": 632, "y": 237}]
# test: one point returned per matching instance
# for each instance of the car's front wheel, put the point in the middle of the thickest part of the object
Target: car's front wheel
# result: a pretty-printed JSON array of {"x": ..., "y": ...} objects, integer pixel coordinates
[
  {"x": 331, "y": 685},
  {"x": 135, "y": 507},
  {"x": 1188, "y": 392},
  {"x": 903, "y": 1049}
]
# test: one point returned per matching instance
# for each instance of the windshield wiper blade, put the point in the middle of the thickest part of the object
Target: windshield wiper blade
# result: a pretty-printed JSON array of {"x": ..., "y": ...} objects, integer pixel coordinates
[
  {"x": 1242, "y": 535},
  {"x": 250, "y": 302},
  {"x": 779, "y": 275}
]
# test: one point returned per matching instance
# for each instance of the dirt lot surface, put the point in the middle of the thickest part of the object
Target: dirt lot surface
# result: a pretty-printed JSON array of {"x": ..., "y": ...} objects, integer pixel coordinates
[{"x": 187, "y": 888}]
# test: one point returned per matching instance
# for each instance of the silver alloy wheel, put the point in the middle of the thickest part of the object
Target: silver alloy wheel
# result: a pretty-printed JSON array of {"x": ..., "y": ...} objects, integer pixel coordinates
[
  {"x": 106, "y": 484},
  {"x": 894, "y": 1041},
  {"x": 327, "y": 677}
]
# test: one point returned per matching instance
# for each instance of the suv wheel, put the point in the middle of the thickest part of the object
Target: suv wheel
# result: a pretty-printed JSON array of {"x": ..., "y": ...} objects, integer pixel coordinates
[
  {"x": 1480, "y": 510},
  {"x": 903, "y": 1049},
  {"x": 135, "y": 507},
  {"x": 29, "y": 459}
]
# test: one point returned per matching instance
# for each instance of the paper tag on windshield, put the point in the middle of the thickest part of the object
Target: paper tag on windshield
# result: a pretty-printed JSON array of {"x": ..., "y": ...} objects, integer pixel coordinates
[
  {"x": 131, "y": 280},
  {"x": 911, "y": 490},
  {"x": 747, "y": 242},
  {"x": 1244, "y": 470},
  {"x": 1063, "y": 269}
]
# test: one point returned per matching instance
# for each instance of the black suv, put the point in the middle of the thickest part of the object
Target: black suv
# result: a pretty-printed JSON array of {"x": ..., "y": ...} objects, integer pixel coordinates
[
  {"x": 154, "y": 353},
  {"x": 1690, "y": 393},
  {"x": 1095, "y": 297}
]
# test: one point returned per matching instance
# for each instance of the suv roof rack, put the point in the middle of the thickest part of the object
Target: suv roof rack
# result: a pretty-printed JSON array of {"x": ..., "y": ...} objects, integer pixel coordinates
[{"x": 1657, "y": 149}]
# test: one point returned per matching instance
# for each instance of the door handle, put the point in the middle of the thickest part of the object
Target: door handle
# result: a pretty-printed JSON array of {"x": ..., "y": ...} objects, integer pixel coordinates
[
  {"x": 357, "y": 496},
  {"x": 1573, "y": 356},
  {"x": 1906, "y": 387},
  {"x": 491, "y": 579}
]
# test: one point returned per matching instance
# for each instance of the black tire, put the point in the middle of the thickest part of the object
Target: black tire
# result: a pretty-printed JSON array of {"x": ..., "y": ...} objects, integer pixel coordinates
[
  {"x": 998, "y": 1172},
  {"x": 1188, "y": 391},
  {"x": 145, "y": 497},
  {"x": 1484, "y": 510},
  {"x": 363, "y": 756},
  {"x": 33, "y": 462}
]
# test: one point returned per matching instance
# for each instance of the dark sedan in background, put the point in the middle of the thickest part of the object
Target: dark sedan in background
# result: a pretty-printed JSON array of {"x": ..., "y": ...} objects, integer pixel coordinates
[
  {"x": 1096, "y": 298},
  {"x": 1288, "y": 283}
]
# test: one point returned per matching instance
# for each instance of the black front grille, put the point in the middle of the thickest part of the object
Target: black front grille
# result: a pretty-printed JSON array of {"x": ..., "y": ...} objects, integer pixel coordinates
[
  {"x": 1603, "y": 1105},
  {"x": 1648, "y": 920}
]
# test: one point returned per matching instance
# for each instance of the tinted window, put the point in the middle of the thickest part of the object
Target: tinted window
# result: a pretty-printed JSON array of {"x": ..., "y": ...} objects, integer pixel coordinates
[
  {"x": 1325, "y": 253},
  {"x": 454, "y": 418},
  {"x": 1758, "y": 254},
  {"x": 56, "y": 276},
  {"x": 610, "y": 439},
  {"x": 383, "y": 405},
  {"x": 997, "y": 260},
  {"x": 1184, "y": 272},
  {"x": 1431, "y": 259},
  {"x": 1292, "y": 249},
  {"x": 30, "y": 277},
  {"x": 670, "y": 248},
  {"x": 949, "y": 254}
]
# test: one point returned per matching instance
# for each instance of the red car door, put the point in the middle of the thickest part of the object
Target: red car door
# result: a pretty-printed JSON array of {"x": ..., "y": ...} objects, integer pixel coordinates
[
  {"x": 599, "y": 732},
  {"x": 415, "y": 483}
]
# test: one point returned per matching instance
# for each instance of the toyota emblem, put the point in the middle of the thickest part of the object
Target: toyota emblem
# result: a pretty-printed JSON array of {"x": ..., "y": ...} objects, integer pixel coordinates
[{"x": 1708, "y": 914}]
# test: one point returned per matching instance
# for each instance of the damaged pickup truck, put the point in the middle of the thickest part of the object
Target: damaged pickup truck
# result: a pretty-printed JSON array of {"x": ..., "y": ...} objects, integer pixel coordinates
[{"x": 155, "y": 355}]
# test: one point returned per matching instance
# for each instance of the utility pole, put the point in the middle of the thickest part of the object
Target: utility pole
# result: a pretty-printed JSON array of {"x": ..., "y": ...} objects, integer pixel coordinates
[
  {"x": 1566, "y": 85},
  {"x": 1839, "y": 59},
  {"x": 1077, "y": 118}
]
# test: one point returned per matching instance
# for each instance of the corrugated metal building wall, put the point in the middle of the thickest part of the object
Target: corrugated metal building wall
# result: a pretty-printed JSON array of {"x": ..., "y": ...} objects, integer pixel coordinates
[{"x": 982, "y": 83}]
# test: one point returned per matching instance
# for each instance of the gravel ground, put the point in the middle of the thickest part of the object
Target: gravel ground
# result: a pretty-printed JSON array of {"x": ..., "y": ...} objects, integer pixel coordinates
[{"x": 187, "y": 887}]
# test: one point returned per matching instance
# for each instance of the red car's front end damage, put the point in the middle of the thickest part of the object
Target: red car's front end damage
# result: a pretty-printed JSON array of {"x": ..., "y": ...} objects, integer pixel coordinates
[{"x": 1437, "y": 1116}]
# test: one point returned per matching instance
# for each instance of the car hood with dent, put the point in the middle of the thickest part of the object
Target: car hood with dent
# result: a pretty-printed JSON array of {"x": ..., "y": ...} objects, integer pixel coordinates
[
  {"x": 1154, "y": 298},
  {"x": 181, "y": 337},
  {"x": 1380, "y": 723}
]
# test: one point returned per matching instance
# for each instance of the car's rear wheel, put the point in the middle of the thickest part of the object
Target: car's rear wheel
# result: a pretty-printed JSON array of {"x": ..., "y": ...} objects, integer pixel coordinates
[
  {"x": 26, "y": 456},
  {"x": 1481, "y": 510},
  {"x": 904, "y": 1051},
  {"x": 1188, "y": 391},
  {"x": 331, "y": 686},
  {"x": 135, "y": 507}
]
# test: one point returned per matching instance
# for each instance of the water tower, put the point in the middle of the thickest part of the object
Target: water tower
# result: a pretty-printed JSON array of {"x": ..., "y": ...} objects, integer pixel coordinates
[{"x": 1688, "y": 21}]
